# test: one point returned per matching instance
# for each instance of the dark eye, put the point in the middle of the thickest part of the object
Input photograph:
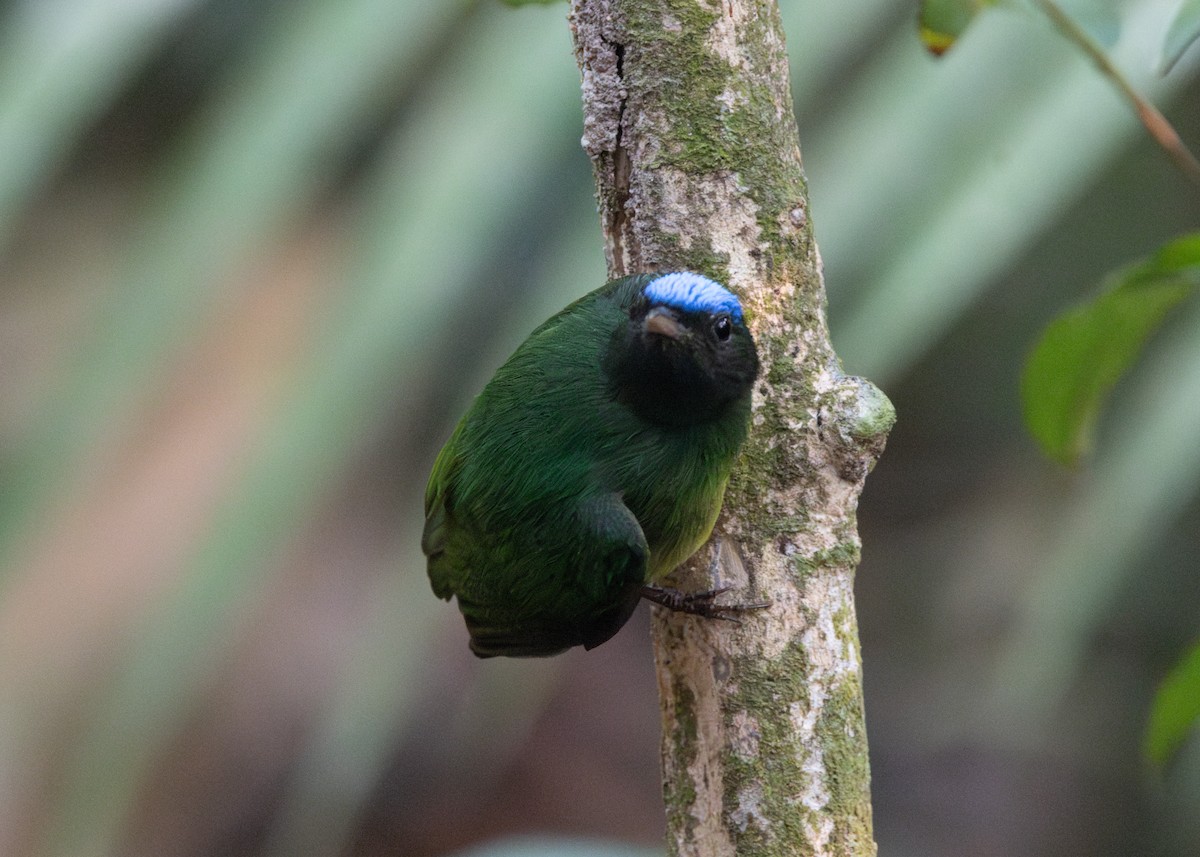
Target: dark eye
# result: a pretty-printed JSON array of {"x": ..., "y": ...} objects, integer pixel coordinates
[{"x": 722, "y": 327}]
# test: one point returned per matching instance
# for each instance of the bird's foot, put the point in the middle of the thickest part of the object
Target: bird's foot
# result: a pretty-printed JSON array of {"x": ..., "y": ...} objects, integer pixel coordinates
[{"x": 700, "y": 603}]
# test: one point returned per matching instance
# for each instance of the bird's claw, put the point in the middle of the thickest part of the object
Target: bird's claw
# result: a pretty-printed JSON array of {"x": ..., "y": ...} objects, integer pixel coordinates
[{"x": 700, "y": 603}]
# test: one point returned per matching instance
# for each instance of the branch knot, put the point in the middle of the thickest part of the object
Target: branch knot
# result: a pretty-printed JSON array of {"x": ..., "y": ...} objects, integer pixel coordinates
[{"x": 853, "y": 422}]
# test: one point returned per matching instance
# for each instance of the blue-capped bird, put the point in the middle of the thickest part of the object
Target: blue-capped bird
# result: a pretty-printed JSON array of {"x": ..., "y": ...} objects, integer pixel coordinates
[{"x": 592, "y": 464}]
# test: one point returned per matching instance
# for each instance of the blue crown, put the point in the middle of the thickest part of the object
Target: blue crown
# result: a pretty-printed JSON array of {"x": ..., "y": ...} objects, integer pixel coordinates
[{"x": 693, "y": 293}]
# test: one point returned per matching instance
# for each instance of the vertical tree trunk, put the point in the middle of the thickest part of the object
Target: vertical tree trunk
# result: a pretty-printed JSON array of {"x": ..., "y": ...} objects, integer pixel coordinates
[{"x": 689, "y": 125}]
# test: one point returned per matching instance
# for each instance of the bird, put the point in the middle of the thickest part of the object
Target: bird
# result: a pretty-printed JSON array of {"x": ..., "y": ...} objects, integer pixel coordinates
[{"x": 591, "y": 465}]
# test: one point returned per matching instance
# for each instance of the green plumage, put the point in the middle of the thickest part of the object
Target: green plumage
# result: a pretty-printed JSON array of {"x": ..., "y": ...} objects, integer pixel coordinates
[{"x": 593, "y": 462}]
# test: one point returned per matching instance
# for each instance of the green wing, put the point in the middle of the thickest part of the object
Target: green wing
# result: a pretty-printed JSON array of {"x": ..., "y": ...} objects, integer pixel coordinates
[
  {"x": 575, "y": 581},
  {"x": 437, "y": 530}
]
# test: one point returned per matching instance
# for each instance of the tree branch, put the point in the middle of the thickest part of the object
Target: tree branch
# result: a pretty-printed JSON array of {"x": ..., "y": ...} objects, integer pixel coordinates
[{"x": 689, "y": 125}]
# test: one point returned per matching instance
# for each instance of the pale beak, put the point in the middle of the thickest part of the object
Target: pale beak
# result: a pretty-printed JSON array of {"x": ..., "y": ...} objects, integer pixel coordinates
[{"x": 662, "y": 321}]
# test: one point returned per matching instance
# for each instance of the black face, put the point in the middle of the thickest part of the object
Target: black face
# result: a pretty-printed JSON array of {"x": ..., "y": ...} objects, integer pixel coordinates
[{"x": 679, "y": 367}]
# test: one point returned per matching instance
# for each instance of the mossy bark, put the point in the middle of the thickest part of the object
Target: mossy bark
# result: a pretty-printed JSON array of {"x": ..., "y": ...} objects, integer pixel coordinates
[{"x": 689, "y": 125}]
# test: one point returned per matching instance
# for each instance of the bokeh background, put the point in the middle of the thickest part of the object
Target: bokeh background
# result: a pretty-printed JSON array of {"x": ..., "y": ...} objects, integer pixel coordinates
[{"x": 255, "y": 258}]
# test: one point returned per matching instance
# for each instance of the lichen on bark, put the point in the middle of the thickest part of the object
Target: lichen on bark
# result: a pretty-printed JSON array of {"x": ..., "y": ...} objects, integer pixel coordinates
[{"x": 689, "y": 125}]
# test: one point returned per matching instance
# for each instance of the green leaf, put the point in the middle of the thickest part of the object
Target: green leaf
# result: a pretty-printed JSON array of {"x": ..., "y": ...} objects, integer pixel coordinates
[
  {"x": 943, "y": 21},
  {"x": 1176, "y": 709},
  {"x": 1184, "y": 30},
  {"x": 529, "y": 2},
  {"x": 1084, "y": 352},
  {"x": 556, "y": 847}
]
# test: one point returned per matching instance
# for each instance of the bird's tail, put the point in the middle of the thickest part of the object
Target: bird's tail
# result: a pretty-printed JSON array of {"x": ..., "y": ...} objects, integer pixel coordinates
[{"x": 529, "y": 638}]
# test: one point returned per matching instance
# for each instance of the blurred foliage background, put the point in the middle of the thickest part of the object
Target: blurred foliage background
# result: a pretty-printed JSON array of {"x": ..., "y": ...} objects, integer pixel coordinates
[{"x": 256, "y": 257}]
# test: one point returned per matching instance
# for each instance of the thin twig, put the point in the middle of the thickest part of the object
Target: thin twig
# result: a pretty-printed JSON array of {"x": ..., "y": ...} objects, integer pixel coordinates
[{"x": 1149, "y": 115}]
